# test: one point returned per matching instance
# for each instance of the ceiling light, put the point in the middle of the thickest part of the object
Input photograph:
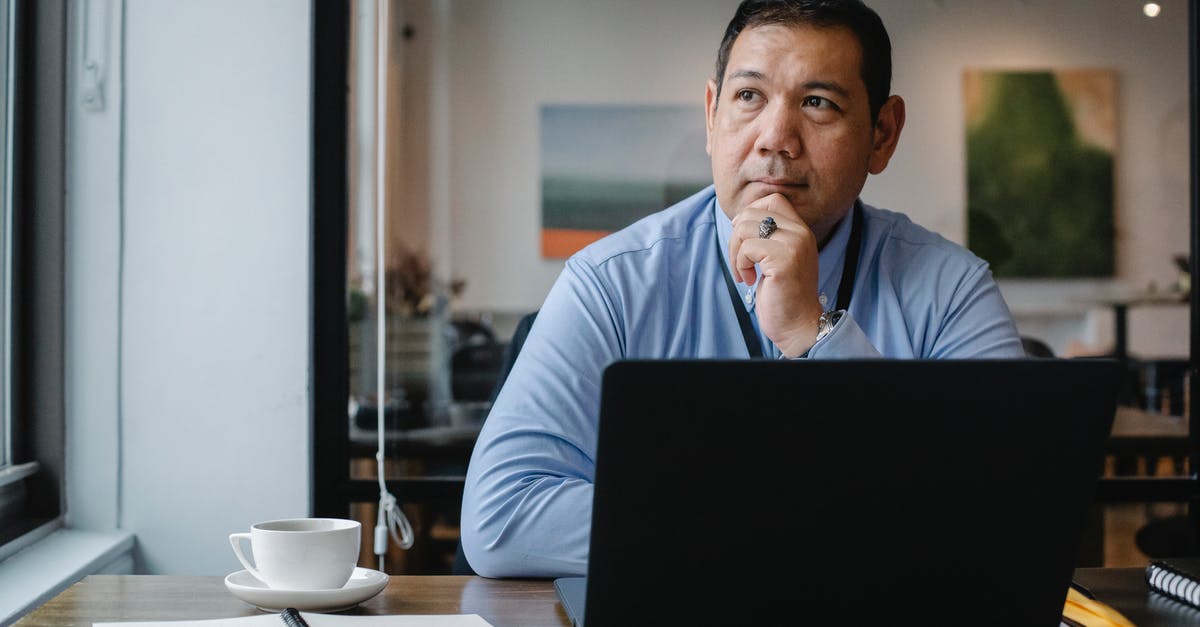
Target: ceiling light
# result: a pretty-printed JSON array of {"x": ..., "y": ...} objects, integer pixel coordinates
[{"x": 1151, "y": 9}]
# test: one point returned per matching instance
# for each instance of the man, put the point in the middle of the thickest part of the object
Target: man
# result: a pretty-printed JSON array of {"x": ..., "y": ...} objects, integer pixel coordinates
[{"x": 778, "y": 258}]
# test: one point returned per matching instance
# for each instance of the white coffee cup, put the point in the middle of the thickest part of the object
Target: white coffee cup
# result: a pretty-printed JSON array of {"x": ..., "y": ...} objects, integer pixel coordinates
[{"x": 301, "y": 553}]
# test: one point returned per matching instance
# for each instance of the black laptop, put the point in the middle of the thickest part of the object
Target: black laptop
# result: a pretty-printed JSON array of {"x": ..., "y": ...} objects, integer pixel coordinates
[{"x": 788, "y": 492}]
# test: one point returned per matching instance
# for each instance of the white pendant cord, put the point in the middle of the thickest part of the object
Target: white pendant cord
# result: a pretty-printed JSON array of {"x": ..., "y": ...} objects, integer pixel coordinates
[{"x": 391, "y": 518}]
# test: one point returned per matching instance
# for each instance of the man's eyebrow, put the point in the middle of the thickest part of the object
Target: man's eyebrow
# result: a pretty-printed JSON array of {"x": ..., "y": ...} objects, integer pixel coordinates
[
  {"x": 832, "y": 86},
  {"x": 750, "y": 74}
]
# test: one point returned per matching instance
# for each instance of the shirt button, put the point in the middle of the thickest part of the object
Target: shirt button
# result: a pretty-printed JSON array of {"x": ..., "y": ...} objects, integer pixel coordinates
[
  {"x": 749, "y": 297},
  {"x": 822, "y": 299}
]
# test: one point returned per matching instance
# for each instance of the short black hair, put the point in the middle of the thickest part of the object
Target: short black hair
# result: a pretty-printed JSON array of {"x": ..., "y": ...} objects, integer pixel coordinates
[{"x": 863, "y": 21}]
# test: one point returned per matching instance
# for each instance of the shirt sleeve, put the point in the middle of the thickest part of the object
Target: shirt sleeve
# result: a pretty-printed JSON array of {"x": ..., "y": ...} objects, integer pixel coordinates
[
  {"x": 977, "y": 323},
  {"x": 527, "y": 503},
  {"x": 952, "y": 315},
  {"x": 845, "y": 340}
]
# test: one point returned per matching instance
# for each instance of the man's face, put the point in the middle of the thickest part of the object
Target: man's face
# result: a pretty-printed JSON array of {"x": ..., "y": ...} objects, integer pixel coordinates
[{"x": 793, "y": 118}]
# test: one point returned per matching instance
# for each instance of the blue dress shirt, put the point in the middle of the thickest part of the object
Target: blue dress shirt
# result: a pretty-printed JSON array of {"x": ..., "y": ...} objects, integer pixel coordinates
[{"x": 655, "y": 290}]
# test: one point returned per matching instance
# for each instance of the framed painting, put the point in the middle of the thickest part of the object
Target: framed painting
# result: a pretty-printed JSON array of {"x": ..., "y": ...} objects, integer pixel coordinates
[
  {"x": 605, "y": 166},
  {"x": 1040, "y": 153}
]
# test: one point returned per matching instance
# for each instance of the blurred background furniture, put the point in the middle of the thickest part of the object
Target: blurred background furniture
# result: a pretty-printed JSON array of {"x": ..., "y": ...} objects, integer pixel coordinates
[
  {"x": 1035, "y": 348},
  {"x": 1162, "y": 390}
]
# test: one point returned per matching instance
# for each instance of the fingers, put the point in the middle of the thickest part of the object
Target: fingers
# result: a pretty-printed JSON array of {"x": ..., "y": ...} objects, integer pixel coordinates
[
  {"x": 751, "y": 252},
  {"x": 786, "y": 302},
  {"x": 747, "y": 247}
]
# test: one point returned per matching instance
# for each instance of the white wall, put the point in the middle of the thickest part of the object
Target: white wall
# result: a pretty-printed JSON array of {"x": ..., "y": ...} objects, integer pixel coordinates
[
  {"x": 507, "y": 59},
  {"x": 213, "y": 324},
  {"x": 510, "y": 56}
]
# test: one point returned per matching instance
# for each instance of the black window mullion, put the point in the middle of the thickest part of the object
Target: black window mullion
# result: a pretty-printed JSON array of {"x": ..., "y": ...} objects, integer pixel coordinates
[{"x": 330, "y": 344}]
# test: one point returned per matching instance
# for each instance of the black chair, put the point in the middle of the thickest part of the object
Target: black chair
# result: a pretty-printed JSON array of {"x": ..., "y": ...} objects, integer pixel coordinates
[
  {"x": 1035, "y": 348},
  {"x": 469, "y": 332},
  {"x": 461, "y": 566},
  {"x": 474, "y": 369},
  {"x": 1161, "y": 384},
  {"x": 510, "y": 352}
]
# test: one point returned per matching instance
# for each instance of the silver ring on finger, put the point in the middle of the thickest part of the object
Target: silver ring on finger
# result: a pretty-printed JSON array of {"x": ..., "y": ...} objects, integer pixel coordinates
[{"x": 767, "y": 227}]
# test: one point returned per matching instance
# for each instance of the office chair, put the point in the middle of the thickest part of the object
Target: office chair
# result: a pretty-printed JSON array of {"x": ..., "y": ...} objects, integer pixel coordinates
[
  {"x": 1035, "y": 348},
  {"x": 469, "y": 332},
  {"x": 461, "y": 566},
  {"x": 473, "y": 370},
  {"x": 1161, "y": 384}
]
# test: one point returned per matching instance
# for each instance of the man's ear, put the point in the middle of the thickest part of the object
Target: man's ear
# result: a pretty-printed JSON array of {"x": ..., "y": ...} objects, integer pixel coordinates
[
  {"x": 887, "y": 133},
  {"x": 710, "y": 113}
]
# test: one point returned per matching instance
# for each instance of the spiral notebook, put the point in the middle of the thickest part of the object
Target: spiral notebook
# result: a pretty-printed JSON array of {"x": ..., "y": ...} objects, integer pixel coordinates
[
  {"x": 1177, "y": 578},
  {"x": 752, "y": 492}
]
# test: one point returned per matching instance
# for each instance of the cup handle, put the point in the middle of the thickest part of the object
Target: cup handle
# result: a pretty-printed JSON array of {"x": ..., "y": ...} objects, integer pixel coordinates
[{"x": 235, "y": 540}]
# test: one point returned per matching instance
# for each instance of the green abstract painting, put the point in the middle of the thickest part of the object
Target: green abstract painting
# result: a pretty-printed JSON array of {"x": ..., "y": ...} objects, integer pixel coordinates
[{"x": 1040, "y": 149}]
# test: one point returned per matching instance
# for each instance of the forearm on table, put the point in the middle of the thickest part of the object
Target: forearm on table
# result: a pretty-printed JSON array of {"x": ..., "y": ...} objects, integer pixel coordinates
[
  {"x": 532, "y": 526},
  {"x": 528, "y": 499}
]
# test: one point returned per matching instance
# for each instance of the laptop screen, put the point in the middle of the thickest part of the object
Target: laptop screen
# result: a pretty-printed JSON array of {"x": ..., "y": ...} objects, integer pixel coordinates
[{"x": 882, "y": 489}]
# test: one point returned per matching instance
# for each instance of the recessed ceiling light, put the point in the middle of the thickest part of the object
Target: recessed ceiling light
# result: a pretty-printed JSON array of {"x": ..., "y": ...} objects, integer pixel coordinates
[{"x": 1151, "y": 9}]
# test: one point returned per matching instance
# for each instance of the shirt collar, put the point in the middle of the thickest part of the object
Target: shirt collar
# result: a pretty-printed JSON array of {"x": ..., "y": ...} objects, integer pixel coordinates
[{"x": 829, "y": 260}]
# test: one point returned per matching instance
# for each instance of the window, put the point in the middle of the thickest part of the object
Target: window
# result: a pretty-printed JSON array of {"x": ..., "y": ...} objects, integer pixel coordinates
[
  {"x": 12, "y": 472},
  {"x": 7, "y": 59},
  {"x": 32, "y": 55},
  {"x": 35, "y": 533}
]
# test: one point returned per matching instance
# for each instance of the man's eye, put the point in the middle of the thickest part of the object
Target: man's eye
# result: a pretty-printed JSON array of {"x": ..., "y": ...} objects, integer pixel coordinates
[
  {"x": 745, "y": 95},
  {"x": 819, "y": 102}
]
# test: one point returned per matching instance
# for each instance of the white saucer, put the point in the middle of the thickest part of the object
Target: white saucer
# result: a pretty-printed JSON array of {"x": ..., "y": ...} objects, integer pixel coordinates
[{"x": 364, "y": 583}]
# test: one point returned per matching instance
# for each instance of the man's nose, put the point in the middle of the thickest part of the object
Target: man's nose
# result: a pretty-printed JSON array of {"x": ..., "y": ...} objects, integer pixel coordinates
[{"x": 779, "y": 131}]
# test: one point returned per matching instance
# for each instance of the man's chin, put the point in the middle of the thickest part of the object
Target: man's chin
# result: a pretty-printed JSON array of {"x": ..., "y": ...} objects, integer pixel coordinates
[
  {"x": 797, "y": 197},
  {"x": 795, "y": 193}
]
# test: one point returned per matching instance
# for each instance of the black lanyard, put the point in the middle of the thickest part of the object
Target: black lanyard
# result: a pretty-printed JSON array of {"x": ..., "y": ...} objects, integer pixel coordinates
[{"x": 845, "y": 284}]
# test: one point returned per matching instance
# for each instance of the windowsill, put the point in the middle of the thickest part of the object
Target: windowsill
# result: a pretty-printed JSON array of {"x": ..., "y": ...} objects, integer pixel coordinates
[{"x": 35, "y": 574}]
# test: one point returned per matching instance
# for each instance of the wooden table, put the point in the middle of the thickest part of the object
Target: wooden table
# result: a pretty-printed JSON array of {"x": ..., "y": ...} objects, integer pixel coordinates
[
  {"x": 102, "y": 598},
  {"x": 1140, "y": 432},
  {"x": 529, "y": 603},
  {"x": 1120, "y": 305}
]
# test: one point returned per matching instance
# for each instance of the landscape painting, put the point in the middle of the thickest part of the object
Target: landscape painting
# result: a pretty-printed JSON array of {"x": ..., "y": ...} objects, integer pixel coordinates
[
  {"x": 1040, "y": 153},
  {"x": 605, "y": 166}
]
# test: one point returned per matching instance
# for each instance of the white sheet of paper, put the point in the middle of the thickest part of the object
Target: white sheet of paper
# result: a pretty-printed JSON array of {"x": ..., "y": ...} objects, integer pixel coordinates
[{"x": 315, "y": 619}]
